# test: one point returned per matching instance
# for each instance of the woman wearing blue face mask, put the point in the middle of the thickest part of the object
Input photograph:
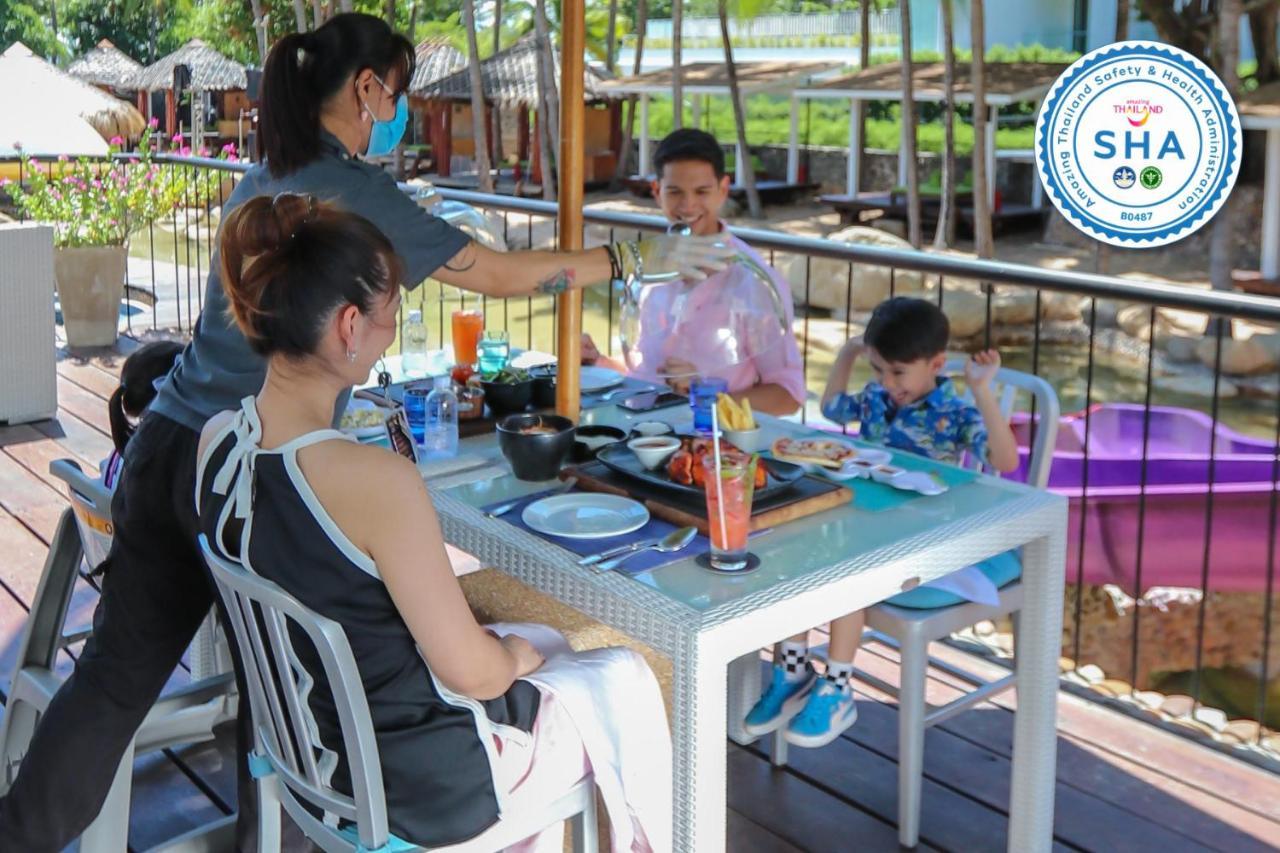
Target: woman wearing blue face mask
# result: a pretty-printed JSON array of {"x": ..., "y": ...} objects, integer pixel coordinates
[{"x": 328, "y": 98}]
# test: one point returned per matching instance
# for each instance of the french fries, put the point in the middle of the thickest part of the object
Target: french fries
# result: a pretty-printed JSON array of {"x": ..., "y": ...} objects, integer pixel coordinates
[{"x": 734, "y": 415}]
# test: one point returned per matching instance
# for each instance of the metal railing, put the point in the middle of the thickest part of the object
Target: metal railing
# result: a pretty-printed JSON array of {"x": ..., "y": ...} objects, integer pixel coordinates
[{"x": 1075, "y": 355}]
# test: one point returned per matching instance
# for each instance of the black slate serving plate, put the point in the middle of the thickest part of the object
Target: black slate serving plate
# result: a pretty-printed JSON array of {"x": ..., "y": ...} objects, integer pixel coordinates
[{"x": 618, "y": 457}]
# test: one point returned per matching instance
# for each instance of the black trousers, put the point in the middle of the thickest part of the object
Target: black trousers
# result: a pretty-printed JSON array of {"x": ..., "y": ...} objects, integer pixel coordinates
[{"x": 155, "y": 593}]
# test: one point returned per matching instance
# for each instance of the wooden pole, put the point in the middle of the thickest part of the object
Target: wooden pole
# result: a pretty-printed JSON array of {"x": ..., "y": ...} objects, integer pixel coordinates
[{"x": 572, "y": 133}]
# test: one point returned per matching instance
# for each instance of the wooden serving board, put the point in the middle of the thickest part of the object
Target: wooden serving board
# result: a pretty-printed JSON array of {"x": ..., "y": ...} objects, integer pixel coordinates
[{"x": 810, "y": 496}]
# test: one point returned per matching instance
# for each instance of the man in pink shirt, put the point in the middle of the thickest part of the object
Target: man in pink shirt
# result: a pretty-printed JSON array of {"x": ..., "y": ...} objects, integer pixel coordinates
[{"x": 754, "y": 354}]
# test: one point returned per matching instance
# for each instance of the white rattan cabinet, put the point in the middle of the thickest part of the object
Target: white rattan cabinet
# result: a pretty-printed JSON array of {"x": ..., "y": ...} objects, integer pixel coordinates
[{"x": 28, "y": 352}]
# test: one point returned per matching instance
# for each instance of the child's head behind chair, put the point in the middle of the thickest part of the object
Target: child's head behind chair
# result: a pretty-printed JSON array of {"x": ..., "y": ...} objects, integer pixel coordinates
[
  {"x": 906, "y": 341},
  {"x": 138, "y": 377}
]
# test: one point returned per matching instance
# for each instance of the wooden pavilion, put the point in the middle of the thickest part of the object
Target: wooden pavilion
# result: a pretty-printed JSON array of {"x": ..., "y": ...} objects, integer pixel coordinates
[
  {"x": 213, "y": 74},
  {"x": 111, "y": 70},
  {"x": 509, "y": 79},
  {"x": 712, "y": 79},
  {"x": 1007, "y": 84},
  {"x": 1260, "y": 110}
]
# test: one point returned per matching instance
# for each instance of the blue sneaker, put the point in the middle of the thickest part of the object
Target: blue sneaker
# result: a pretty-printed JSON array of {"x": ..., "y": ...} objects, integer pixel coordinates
[
  {"x": 829, "y": 711},
  {"x": 780, "y": 702}
]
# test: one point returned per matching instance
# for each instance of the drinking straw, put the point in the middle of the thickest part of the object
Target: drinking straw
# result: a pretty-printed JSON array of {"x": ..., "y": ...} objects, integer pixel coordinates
[{"x": 715, "y": 446}]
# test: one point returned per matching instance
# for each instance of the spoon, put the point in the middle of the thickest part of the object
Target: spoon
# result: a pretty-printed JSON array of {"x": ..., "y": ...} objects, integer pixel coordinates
[{"x": 676, "y": 540}]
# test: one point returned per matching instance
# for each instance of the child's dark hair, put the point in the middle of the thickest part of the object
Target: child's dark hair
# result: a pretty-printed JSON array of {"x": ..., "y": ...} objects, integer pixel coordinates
[
  {"x": 906, "y": 329},
  {"x": 689, "y": 144},
  {"x": 304, "y": 70},
  {"x": 137, "y": 388},
  {"x": 288, "y": 262}
]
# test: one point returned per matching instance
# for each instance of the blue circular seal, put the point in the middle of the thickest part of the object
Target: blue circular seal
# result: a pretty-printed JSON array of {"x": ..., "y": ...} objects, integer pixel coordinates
[{"x": 1138, "y": 144}]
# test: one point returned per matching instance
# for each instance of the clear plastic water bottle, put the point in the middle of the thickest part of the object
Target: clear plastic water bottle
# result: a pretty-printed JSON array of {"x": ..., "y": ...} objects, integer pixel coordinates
[
  {"x": 440, "y": 434},
  {"x": 413, "y": 345}
]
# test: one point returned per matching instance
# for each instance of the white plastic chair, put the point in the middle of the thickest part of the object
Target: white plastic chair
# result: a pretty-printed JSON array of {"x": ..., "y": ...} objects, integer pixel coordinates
[
  {"x": 912, "y": 630},
  {"x": 182, "y": 716},
  {"x": 286, "y": 762}
]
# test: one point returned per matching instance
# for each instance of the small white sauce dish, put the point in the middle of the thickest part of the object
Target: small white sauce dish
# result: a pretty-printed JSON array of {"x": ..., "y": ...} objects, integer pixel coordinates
[{"x": 652, "y": 451}]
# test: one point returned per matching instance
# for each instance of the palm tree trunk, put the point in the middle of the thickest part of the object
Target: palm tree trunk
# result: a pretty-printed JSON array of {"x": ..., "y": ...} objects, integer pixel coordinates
[
  {"x": 981, "y": 204},
  {"x": 629, "y": 126},
  {"x": 344, "y": 5},
  {"x": 391, "y": 13},
  {"x": 548, "y": 107},
  {"x": 300, "y": 15},
  {"x": 413, "y": 22},
  {"x": 946, "y": 233},
  {"x": 1262, "y": 30},
  {"x": 259, "y": 29},
  {"x": 611, "y": 39},
  {"x": 914, "y": 230},
  {"x": 317, "y": 14},
  {"x": 497, "y": 109},
  {"x": 864, "y": 59},
  {"x": 739, "y": 120},
  {"x": 478, "y": 134},
  {"x": 1221, "y": 246},
  {"x": 677, "y": 61},
  {"x": 1122, "y": 20}
]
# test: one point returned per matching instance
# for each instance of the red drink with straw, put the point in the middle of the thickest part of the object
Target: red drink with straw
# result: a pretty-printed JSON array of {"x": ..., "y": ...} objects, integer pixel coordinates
[{"x": 729, "y": 511}]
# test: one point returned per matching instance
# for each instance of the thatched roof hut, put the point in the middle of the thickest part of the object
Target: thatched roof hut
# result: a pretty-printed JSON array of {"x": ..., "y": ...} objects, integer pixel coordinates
[
  {"x": 437, "y": 59},
  {"x": 28, "y": 77},
  {"x": 210, "y": 70},
  {"x": 106, "y": 65},
  {"x": 510, "y": 79}
]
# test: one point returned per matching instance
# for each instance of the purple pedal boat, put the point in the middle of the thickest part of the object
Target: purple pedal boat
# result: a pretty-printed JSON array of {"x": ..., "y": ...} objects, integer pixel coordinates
[{"x": 1177, "y": 487}]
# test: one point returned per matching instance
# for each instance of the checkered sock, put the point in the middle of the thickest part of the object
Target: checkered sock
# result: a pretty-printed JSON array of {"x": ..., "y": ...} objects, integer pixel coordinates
[
  {"x": 794, "y": 657},
  {"x": 838, "y": 673}
]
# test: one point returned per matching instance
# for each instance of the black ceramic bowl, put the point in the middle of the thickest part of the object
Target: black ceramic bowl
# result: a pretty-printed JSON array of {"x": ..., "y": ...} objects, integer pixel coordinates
[
  {"x": 535, "y": 455},
  {"x": 505, "y": 398},
  {"x": 591, "y": 439},
  {"x": 544, "y": 386}
]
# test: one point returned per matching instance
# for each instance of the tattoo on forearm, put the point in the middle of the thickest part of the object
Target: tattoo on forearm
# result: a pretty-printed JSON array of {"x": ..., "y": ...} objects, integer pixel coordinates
[
  {"x": 556, "y": 284},
  {"x": 464, "y": 260}
]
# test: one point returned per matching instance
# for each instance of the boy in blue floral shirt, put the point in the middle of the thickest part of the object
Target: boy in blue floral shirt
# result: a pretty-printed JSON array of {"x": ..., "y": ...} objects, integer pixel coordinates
[{"x": 908, "y": 406}]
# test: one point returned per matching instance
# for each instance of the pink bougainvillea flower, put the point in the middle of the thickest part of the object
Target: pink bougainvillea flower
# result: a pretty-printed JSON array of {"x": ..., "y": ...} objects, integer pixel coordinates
[
  {"x": 177, "y": 138},
  {"x": 4, "y": 182},
  {"x": 154, "y": 123},
  {"x": 17, "y": 146},
  {"x": 116, "y": 140},
  {"x": 63, "y": 158}
]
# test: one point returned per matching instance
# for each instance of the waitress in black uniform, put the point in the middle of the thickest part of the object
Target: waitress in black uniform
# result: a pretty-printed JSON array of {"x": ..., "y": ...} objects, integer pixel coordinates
[{"x": 328, "y": 96}]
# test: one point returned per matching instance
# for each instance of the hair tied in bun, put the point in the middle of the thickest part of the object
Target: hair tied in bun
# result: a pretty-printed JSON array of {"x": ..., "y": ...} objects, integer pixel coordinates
[{"x": 292, "y": 212}]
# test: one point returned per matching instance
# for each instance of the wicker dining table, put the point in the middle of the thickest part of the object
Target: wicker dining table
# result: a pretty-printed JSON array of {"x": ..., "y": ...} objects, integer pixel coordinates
[{"x": 812, "y": 570}]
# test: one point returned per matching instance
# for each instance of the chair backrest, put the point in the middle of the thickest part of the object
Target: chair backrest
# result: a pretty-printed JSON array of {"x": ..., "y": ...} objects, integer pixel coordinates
[
  {"x": 1007, "y": 385},
  {"x": 284, "y": 730},
  {"x": 91, "y": 503}
]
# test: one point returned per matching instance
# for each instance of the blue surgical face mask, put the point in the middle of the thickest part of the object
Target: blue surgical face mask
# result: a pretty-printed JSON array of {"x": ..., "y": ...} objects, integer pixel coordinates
[{"x": 386, "y": 135}]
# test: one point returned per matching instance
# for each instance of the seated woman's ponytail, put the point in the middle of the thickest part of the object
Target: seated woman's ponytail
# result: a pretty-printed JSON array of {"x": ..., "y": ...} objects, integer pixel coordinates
[{"x": 290, "y": 261}]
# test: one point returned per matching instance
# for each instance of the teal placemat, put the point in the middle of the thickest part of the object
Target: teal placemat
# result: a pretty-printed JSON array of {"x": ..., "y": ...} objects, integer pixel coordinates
[
  {"x": 871, "y": 496},
  {"x": 877, "y": 497}
]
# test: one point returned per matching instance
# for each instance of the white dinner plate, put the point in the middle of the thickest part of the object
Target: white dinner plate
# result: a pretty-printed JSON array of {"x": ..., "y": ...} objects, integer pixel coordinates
[
  {"x": 367, "y": 432},
  {"x": 585, "y": 516},
  {"x": 595, "y": 379}
]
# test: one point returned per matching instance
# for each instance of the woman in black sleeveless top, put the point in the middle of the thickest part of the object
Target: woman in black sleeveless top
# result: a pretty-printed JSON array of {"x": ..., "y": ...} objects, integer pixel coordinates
[{"x": 349, "y": 530}]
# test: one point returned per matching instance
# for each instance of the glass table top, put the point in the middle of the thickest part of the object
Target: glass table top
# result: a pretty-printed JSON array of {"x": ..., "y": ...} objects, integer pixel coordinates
[{"x": 788, "y": 551}]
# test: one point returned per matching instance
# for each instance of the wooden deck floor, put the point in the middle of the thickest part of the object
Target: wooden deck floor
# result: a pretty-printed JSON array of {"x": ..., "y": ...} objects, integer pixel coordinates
[{"x": 1122, "y": 785}]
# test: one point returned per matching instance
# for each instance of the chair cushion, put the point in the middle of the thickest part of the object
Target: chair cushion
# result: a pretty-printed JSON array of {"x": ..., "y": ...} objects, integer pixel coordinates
[{"x": 1001, "y": 570}]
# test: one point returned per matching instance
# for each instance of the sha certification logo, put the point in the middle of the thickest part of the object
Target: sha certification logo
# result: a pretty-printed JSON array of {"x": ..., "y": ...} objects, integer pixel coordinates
[{"x": 1138, "y": 144}]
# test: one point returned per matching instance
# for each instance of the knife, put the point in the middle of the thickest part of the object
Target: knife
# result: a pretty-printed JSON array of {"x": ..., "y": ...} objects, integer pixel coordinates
[{"x": 510, "y": 505}]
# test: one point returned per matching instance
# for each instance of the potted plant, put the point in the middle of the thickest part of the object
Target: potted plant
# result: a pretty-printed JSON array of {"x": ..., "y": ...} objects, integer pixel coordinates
[{"x": 94, "y": 207}]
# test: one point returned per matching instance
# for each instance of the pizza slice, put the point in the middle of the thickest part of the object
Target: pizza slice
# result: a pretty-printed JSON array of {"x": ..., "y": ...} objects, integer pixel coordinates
[{"x": 813, "y": 451}]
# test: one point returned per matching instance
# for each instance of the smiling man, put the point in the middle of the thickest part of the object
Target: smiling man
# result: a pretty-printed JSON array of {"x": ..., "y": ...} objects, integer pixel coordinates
[{"x": 761, "y": 362}]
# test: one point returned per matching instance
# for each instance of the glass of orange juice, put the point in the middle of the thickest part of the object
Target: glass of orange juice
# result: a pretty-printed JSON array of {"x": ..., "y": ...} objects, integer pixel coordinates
[
  {"x": 467, "y": 326},
  {"x": 731, "y": 494}
]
